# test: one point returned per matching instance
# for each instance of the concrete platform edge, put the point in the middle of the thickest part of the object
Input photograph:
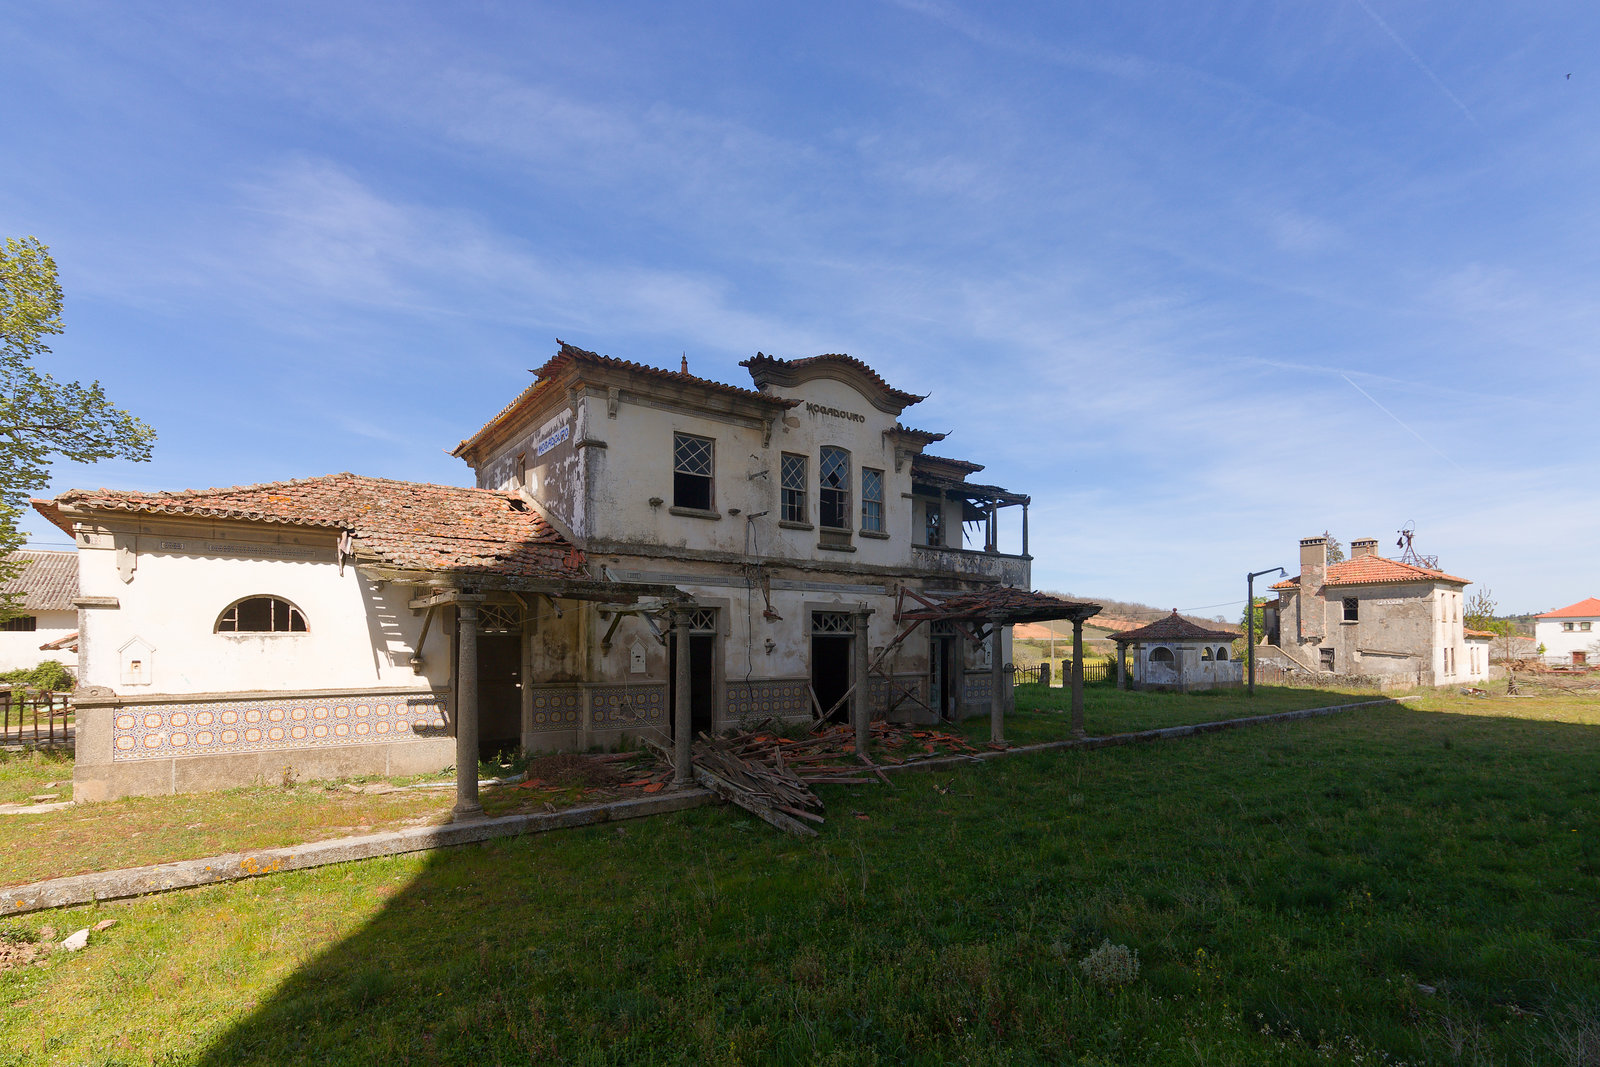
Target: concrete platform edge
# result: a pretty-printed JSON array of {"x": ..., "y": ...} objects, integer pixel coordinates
[{"x": 211, "y": 870}]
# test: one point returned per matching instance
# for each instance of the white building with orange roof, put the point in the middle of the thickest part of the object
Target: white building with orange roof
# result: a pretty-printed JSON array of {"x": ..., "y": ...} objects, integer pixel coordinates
[
  {"x": 1570, "y": 634},
  {"x": 1373, "y": 617}
]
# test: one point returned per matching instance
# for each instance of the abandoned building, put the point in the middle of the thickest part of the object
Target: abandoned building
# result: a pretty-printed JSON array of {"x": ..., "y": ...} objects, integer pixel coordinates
[
  {"x": 645, "y": 551},
  {"x": 1174, "y": 653},
  {"x": 1570, "y": 636},
  {"x": 46, "y": 623},
  {"x": 1394, "y": 622}
]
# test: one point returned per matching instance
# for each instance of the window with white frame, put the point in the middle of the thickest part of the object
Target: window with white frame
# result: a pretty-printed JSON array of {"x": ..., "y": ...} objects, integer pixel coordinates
[
  {"x": 692, "y": 465},
  {"x": 871, "y": 500},
  {"x": 793, "y": 506},
  {"x": 834, "y": 497}
]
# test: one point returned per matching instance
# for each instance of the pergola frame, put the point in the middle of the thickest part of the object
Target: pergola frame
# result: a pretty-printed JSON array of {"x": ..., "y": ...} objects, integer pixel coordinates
[
  {"x": 982, "y": 613},
  {"x": 466, "y": 592}
]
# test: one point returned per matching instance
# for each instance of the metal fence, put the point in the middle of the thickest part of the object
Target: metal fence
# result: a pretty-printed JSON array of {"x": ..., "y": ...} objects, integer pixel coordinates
[
  {"x": 34, "y": 717},
  {"x": 1044, "y": 673}
]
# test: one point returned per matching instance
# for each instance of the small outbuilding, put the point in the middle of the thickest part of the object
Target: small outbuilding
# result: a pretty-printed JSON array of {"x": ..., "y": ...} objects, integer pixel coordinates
[
  {"x": 45, "y": 624},
  {"x": 1175, "y": 653}
]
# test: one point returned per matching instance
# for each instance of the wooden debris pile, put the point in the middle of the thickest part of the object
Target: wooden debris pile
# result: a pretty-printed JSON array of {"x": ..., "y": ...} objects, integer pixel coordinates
[{"x": 771, "y": 775}]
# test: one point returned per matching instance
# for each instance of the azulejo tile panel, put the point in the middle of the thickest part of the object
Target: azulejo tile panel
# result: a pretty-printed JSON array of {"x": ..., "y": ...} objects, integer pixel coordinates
[
  {"x": 557, "y": 709},
  {"x": 781, "y": 698},
  {"x": 908, "y": 689},
  {"x": 617, "y": 706},
  {"x": 977, "y": 688},
  {"x": 162, "y": 731}
]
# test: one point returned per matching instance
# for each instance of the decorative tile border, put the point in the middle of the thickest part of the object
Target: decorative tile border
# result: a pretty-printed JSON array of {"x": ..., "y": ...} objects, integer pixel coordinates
[
  {"x": 617, "y": 706},
  {"x": 779, "y": 698},
  {"x": 557, "y": 709},
  {"x": 162, "y": 731}
]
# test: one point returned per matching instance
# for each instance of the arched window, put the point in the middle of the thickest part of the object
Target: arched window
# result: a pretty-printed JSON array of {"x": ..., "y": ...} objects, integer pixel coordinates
[
  {"x": 261, "y": 615},
  {"x": 1222, "y": 653},
  {"x": 1161, "y": 655},
  {"x": 1205, "y": 653}
]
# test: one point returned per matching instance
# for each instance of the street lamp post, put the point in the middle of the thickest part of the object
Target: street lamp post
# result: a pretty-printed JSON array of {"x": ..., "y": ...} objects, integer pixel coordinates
[{"x": 1250, "y": 621}]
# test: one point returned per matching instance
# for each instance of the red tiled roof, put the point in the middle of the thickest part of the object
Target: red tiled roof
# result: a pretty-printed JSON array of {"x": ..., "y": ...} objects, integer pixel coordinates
[
  {"x": 409, "y": 525},
  {"x": 1480, "y": 633},
  {"x": 1374, "y": 570},
  {"x": 572, "y": 355},
  {"x": 1584, "y": 609},
  {"x": 1174, "y": 628},
  {"x": 48, "y": 581}
]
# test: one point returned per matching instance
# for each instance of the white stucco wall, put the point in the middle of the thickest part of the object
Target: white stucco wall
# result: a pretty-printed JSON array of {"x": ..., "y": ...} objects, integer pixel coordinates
[
  {"x": 359, "y": 635},
  {"x": 1559, "y": 644},
  {"x": 20, "y": 648}
]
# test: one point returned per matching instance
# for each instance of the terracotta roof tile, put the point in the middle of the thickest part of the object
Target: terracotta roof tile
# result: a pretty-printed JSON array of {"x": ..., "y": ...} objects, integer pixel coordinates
[
  {"x": 410, "y": 525},
  {"x": 1374, "y": 570},
  {"x": 48, "y": 581},
  {"x": 1586, "y": 609},
  {"x": 1480, "y": 633},
  {"x": 1174, "y": 628}
]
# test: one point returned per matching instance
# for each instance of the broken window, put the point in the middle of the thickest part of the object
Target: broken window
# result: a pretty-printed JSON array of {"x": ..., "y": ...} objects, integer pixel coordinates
[
  {"x": 932, "y": 526},
  {"x": 262, "y": 615},
  {"x": 20, "y": 623},
  {"x": 1327, "y": 658},
  {"x": 691, "y": 471},
  {"x": 1205, "y": 653},
  {"x": 1161, "y": 655},
  {"x": 871, "y": 500},
  {"x": 793, "y": 506},
  {"x": 1222, "y": 652},
  {"x": 834, "y": 498},
  {"x": 1352, "y": 608}
]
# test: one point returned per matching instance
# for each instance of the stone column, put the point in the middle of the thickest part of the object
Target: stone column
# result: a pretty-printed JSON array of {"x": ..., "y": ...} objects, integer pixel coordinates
[
  {"x": 1077, "y": 678},
  {"x": 1122, "y": 666},
  {"x": 682, "y": 720},
  {"x": 860, "y": 706},
  {"x": 998, "y": 683},
  {"x": 467, "y": 806}
]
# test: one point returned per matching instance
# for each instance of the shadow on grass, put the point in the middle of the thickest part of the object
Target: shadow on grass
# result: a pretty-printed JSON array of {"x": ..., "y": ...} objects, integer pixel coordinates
[{"x": 1286, "y": 887}]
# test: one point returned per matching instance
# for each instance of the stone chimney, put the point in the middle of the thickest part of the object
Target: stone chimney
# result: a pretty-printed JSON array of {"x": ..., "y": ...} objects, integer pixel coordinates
[
  {"x": 1367, "y": 546},
  {"x": 1313, "y": 564}
]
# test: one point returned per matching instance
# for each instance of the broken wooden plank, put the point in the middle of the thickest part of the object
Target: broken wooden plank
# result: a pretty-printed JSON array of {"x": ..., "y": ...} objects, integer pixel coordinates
[{"x": 754, "y": 805}]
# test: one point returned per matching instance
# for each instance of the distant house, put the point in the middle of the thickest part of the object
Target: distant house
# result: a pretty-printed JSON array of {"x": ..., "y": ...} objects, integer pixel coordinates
[
  {"x": 1174, "y": 653},
  {"x": 1373, "y": 617},
  {"x": 48, "y": 585},
  {"x": 1569, "y": 634}
]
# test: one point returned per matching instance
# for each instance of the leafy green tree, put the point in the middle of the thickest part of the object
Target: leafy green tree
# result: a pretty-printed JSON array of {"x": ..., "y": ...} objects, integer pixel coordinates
[{"x": 41, "y": 419}]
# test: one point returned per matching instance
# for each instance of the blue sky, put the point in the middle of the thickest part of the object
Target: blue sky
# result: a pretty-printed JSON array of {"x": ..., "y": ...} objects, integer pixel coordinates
[{"x": 1202, "y": 278}]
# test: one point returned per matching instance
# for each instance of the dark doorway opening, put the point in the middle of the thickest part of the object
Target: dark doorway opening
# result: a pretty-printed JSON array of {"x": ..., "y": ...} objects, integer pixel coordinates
[
  {"x": 499, "y": 693},
  {"x": 942, "y": 674},
  {"x": 830, "y": 661},
  {"x": 702, "y": 673}
]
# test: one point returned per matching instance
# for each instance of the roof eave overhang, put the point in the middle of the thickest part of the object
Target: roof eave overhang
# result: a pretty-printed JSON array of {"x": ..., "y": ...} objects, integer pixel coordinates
[
  {"x": 768, "y": 370},
  {"x": 487, "y": 581}
]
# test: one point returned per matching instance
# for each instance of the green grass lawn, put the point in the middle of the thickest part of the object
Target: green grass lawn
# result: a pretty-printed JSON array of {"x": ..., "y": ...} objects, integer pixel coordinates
[
  {"x": 1398, "y": 884},
  {"x": 1045, "y": 714}
]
